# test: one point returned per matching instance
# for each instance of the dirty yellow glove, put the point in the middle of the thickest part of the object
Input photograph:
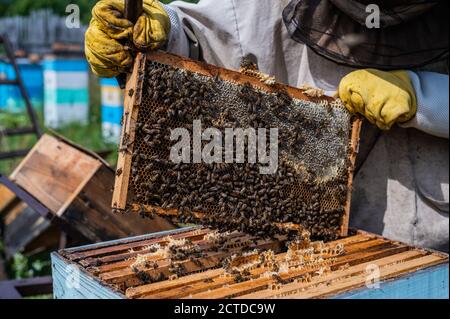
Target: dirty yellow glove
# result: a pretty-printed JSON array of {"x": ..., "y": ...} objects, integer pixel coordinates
[
  {"x": 384, "y": 98},
  {"x": 108, "y": 33}
]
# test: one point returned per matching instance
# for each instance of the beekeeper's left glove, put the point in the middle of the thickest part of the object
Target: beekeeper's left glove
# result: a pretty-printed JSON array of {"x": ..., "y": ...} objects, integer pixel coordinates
[
  {"x": 384, "y": 98},
  {"x": 109, "y": 33}
]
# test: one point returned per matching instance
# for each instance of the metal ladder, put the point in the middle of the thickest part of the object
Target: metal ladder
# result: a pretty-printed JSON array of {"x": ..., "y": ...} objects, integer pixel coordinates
[{"x": 34, "y": 128}]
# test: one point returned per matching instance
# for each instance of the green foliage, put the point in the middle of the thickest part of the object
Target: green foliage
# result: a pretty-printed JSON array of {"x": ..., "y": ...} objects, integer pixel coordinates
[
  {"x": 14, "y": 120},
  {"x": 24, "y": 7},
  {"x": 47, "y": 296},
  {"x": 20, "y": 267},
  {"x": 25, "y": 267}
]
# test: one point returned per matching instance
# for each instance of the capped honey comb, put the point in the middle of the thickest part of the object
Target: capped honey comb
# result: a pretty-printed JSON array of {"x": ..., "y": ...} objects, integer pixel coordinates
[{"x": 317, "y": 140}]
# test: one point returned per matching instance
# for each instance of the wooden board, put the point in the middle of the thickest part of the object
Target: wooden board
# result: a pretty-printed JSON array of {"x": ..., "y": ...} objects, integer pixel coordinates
[
  {"x": 6, "y": 198},
  {"x": 404, "y": 272},
  {"x": 23, "y": 229},
  {"x": 131, "y": 103},
  {"x": 55, "y": 186}
]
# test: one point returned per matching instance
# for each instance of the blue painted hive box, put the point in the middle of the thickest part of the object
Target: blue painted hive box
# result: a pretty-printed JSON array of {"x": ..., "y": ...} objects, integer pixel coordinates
[
  {"x": 112, "y": 110},
  {"x": 32, "y": 75},
  {"x": 66, "y": 91},
  {"x": 201, "y": 263}
]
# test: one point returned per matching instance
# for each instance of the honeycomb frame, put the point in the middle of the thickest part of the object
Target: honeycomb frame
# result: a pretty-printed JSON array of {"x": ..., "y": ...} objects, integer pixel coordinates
[{"x": 135, "y": 100}]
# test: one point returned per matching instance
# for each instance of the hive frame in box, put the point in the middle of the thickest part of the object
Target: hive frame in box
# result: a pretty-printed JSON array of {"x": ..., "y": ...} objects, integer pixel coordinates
[
  {"x": 133, "y": 100},
  {"x": 104, "y": 272}
]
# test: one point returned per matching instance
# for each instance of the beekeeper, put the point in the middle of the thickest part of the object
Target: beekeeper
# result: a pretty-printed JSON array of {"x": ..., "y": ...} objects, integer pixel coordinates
[{"x": 401, "y": 189}]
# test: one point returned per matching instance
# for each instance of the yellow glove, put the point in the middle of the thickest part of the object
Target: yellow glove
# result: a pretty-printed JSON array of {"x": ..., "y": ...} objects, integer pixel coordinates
[
  {"x": 384, "y": 98},
  {"x": 109, "y": 31}
]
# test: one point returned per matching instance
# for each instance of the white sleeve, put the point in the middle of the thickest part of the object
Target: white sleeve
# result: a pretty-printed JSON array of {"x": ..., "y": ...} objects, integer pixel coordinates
[
  {"x": 432, "y": 103},
  {"x": 178, "y": 42}
]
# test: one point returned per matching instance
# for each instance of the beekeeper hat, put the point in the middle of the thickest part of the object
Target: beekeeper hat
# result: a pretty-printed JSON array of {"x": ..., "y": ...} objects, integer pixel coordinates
[{"x": 406, "y": 35}]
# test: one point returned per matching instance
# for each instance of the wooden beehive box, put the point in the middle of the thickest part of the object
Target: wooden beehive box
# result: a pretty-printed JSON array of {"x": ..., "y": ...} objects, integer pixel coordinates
[
  {"x": 75, "y": 188},
  {"x": 25, "y": 230},
  {"x": 317, "y": 149},
  {"x": 341, "y": 269}
]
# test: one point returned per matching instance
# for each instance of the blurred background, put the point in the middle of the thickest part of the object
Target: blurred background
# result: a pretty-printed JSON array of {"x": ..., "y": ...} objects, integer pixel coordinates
[
  {"x": 47, "y": 43},
  {"x": 65, "y": 95}
]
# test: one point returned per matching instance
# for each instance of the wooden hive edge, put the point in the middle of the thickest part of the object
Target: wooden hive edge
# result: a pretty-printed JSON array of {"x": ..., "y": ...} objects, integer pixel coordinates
[
  {"x": 83, "y": 276},
  {"x": 443, "y": 255},
  {"x": 213, "y": 71},
  {"x": 124, "y": 241},
  {"x": 354, "y": 140},
  {"x": 405, "y": 274},
  {"x": 76, "y": 193},
  {"x": 132, "y": 100}
]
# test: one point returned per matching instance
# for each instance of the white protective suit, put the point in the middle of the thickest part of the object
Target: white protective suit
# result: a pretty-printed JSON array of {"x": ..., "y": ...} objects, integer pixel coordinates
[{"x": 401, "y": 190}]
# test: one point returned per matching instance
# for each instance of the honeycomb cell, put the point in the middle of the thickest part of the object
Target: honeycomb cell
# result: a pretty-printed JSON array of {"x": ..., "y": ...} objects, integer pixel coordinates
[{"x": 309, "y": 188}]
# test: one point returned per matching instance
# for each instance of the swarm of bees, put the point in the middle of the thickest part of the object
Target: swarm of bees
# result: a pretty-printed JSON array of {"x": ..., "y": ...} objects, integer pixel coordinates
[{"x": 312, "y": 193}]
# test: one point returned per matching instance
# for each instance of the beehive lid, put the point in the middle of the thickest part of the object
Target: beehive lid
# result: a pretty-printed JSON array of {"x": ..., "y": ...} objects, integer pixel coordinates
[
  {"x": 54, "y": 172},
  {"x": 318, "y": 140}
]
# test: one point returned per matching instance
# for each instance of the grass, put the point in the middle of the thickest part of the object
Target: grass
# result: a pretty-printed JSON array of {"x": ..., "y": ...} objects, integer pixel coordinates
[{"x": 47, "y": 296}]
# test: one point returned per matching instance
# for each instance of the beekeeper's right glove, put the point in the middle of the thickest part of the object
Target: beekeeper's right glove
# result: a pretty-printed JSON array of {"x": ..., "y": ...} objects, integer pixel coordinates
[
  {"x": 109, "y": 33},
  {"x": 384, "y": 98}
]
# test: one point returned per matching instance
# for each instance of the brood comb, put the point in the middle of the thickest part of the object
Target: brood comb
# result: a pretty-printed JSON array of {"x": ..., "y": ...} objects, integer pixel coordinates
[{"x": 318, "y": 138}]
